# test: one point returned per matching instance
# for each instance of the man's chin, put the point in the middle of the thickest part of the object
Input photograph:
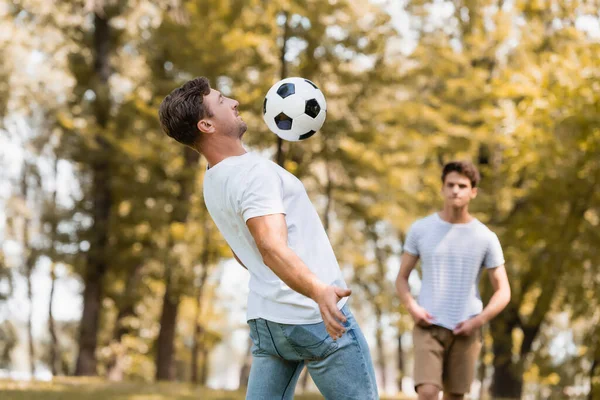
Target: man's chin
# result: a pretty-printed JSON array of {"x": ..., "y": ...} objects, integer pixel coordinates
[{"x": 243, "y": 129}]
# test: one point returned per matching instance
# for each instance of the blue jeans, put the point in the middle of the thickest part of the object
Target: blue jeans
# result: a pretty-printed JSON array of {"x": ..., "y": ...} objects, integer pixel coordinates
[{"x": 342, "y": 369}]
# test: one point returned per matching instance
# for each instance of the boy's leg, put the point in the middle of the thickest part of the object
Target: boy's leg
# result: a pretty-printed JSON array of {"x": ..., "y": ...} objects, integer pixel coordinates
[
  {"x": 428, "y": 346},
  {"x": 347, "y": 371},
  {"x": 271, "y": 376},
  {"x": 460, "y": 364}
]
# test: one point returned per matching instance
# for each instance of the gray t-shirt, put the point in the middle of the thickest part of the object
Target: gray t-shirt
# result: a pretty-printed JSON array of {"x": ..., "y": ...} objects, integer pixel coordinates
[{"x": 452, "y": 259}]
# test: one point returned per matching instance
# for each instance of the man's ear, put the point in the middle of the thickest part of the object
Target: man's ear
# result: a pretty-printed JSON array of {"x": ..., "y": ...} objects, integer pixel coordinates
[
  {"x": 205, "y": 126},
  {"x": 474, "y": 193}
]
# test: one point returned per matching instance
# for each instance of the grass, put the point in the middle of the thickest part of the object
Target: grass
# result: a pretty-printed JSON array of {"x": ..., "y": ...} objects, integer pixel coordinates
[{"x": 95, "y": 389}]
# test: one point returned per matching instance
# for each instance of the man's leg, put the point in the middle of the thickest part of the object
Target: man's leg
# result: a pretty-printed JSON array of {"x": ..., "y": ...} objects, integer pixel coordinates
[
  {"x": 459, "y": 368},
  {"x": 429, "y": 360},
  {"x": 347, "y": 372},
  {"x": 272, "y": 378},
  {"x": 271, "y": 375}
]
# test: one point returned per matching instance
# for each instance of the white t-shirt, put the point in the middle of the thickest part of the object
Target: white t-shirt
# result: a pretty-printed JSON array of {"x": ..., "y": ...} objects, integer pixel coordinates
[
  {"x": 242, "y": 187},
  {"x": 453, "y": 257}
]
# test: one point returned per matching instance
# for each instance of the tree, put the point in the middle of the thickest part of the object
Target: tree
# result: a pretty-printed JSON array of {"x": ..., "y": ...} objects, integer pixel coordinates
[{"x": 496, "y": 100}]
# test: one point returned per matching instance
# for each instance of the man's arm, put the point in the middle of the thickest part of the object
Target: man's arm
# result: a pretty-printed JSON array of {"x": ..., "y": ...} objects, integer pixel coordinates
[
  {"x": 418, "y": 313},
  {"x": 270, "y": 234},
  {"x": 497, "y": 303}
]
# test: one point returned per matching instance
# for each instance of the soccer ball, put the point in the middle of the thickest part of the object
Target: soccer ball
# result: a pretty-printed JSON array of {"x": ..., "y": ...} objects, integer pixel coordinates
[{"x": 294, "y": 109}]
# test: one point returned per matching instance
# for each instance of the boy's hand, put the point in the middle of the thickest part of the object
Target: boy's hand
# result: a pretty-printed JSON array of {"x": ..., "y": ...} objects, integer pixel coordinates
[
  {"x": 468, "y": 327},
  {"x": 421, "y": 316}
]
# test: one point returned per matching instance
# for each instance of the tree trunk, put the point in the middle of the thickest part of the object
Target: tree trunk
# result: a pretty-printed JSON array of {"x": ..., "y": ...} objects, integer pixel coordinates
[
  {"x": 286, "y": 36},
  {"x": 127, "y": 309},
  {"x": 30, "y": 264},
  {"x": 401, "y": 367},
  {"x": 165, "y": 368},
  {"x": 507, "y": 382},
  {"x": 197, "y": 349},
  {"x": 54, "y": 349},
  {"x": 205, "y": 367},
  {"x": 198, "y": 329},
  {"x": 55, "y": 365},
  {"x": 380, "y": 347},
  {"x": 101, "y": 195}
]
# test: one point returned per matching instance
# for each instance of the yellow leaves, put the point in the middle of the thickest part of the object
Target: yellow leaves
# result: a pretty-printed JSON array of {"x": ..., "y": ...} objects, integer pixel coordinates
[
  {"x": 142, "y": 229},
  {"x": 517, "y": 340},
  {"x": 592, "y": 217},
  {"x": 368, "y": 157},
  {"x": 552, "y": 379},
  {"x": 532, "y": 375},
  {"x": 177, "y": 230},
  {"x": 124, "y": 208},
  {"x": 291, "y": 166}
]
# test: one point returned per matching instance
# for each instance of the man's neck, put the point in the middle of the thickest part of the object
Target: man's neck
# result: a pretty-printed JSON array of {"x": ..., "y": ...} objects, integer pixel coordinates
[
  {"x": 455, "y": 215},
  {"x": 217, "y": 152}
]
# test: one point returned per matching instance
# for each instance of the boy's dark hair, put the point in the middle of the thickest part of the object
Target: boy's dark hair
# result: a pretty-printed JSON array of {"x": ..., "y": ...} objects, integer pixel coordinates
[
  {"x": 466, "y": 168},
  {"x": 181, "y": 110}
]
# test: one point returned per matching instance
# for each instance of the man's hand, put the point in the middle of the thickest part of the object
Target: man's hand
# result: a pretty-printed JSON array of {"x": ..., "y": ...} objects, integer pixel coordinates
[
  {"x": 327, "y": 298},
  {"x": 468, "y": 327},
  {"x": 421, "y": 316}
]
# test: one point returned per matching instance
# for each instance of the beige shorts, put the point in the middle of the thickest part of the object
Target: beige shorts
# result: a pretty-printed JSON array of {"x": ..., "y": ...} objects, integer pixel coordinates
[{"x": 444, "y": 359}]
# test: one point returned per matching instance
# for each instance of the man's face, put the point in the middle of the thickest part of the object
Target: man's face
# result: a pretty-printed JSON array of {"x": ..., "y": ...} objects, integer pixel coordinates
[
  {"x": 225, "y": 116},
  {"x": 457, "y": 190}
]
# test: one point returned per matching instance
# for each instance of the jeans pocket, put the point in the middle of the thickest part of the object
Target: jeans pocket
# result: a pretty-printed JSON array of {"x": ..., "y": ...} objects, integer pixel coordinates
[
  {"x": 310, "y": 341},
  {"x": 254, "y": 336}
]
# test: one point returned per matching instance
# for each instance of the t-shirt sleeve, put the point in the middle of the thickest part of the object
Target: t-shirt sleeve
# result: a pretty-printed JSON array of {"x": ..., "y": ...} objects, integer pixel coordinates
[
  {"x": 494, "y": 256},
  {"x": 411, "y": 244},
  {"x": 263, "y": 193}
]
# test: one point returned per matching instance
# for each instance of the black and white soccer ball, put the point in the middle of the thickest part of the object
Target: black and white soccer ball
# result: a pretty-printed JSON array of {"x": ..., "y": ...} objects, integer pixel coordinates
[{"x": 294, "y": 109}]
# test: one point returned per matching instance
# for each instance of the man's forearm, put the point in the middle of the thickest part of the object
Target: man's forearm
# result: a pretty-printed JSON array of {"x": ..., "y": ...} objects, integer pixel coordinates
[
  {"x": 286, "y": 264},
  {"x": 497, "y": 303},
  {"x": 403, "y": 290}
]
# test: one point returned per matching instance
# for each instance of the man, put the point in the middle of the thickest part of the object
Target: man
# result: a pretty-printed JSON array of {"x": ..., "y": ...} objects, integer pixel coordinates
[
  {"x": 297, "y": 308},
  {"x": 454, "y": 248}
]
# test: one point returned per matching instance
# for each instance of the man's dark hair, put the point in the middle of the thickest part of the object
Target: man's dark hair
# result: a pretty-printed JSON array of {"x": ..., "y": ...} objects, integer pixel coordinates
[
  {"x": 465, "y": 168},
  {"x": 181, "y": 110}
]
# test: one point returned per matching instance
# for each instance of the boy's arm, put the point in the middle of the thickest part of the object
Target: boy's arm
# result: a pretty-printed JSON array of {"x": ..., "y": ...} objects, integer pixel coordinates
[
  {"x": 418, "y": 313},
  {"x": 497, "y": 303}
]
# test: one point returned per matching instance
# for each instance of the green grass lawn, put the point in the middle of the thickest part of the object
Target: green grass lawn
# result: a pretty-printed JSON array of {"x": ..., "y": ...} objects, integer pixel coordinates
[{"x": 94, "y": 389}]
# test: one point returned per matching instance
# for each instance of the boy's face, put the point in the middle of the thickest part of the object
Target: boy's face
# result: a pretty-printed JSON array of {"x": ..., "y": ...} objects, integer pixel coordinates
[
  {"x": 457, "y": 190},
  {"x": 225, "y": 117}
]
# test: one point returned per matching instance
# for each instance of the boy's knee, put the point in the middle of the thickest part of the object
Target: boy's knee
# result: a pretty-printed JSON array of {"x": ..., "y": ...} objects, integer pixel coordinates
[{"x": 428, "y": 392}]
